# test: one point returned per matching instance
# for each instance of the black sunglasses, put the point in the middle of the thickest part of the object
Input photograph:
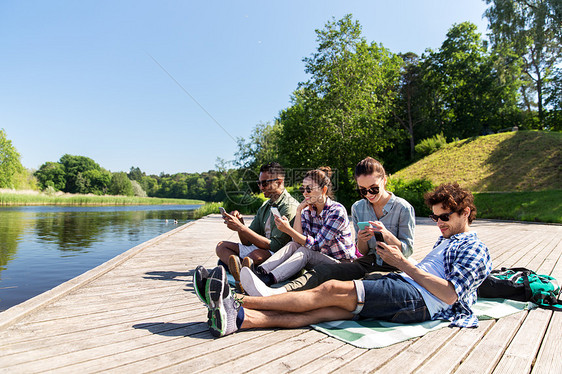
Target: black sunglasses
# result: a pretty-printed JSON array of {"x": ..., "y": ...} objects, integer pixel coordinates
[
  {"x": 266, "y": 182},
  {"x": 443, "y": 217},
  {"x": 364, "y": 191},
  {"x": 307, "y": 189}
]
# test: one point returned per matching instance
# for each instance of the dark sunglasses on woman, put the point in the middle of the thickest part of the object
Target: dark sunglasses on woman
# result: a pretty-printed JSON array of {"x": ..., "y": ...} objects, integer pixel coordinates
[
  {"x": 307, "y": 189},
  {"x": 364, "y": 191}
]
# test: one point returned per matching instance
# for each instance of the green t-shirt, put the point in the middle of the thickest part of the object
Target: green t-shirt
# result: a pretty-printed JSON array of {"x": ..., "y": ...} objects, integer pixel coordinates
[{"x": 287, "y": 206}]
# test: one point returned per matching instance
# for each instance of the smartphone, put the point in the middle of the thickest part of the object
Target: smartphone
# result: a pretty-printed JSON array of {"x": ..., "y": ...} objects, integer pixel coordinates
[
  {"x": 363, "y": 225},
  {"x": 223, "y": 212},
  {"x": 275, "y": 212},
  {"x": 379, "y": 237}
]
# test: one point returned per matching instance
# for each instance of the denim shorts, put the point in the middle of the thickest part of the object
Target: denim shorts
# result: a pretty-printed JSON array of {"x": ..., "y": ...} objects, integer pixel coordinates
[{"x": 390, "y": 298}]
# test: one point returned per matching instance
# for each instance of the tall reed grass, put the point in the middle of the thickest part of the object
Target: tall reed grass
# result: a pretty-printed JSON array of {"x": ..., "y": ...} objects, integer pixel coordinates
[{"x": 13, "y": 198}]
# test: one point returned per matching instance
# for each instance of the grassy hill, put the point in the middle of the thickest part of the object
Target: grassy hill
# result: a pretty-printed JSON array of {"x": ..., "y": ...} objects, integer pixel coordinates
[{"x": 514, "y": 161}]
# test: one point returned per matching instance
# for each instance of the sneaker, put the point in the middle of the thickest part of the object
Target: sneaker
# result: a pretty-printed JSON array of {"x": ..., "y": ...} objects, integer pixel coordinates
[
  {"x": 217, "y": 287},
  {"x": 255, "y": 287},
  {"x": 234, "y": 267},
  {"x": 223, "y": 305},
  {"x": 200, "y": 276},
  {"x": 247, "y": 262},
  {"x": 223, "y": 319}
]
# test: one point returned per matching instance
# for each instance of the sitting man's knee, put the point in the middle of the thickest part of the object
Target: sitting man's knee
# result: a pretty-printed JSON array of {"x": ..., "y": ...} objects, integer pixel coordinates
[
  {"x": 222, "y": 247},
  {"x": 331, "y": 286}
]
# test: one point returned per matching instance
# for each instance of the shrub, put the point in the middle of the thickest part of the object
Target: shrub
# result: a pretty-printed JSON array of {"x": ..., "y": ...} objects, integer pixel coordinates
[
  {"x": 412, "y": 191},
  {"x": 137, "y": 189},
  {"x": 245, "y": 204},
  {"x": 430, "y": 145}
]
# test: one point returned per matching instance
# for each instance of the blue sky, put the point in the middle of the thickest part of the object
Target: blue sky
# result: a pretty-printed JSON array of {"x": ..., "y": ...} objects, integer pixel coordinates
[{"x": 169, "y": 85}]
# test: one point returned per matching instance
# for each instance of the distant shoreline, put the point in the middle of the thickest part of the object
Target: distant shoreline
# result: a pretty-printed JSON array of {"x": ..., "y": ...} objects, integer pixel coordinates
[{"x": 28, "y": 197}]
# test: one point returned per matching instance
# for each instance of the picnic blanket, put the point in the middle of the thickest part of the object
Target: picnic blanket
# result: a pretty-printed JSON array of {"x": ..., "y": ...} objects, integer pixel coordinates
[{"x": 378, "y": 334}]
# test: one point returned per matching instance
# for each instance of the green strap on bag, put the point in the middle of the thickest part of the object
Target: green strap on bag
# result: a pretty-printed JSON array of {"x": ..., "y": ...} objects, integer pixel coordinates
[{"x": 524, "y": 285}]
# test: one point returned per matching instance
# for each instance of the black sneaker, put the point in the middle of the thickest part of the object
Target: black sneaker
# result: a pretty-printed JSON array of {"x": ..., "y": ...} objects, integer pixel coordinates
[
  {"x": 200, "y": 276},
  {"x": 217, "y": 287}
]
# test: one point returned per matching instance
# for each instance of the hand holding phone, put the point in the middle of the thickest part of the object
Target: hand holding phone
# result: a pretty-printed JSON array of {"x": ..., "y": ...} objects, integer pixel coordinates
[
  {"x": 379, "y": 237},
  {"x": 275, "y": 212},
  {"x": 222, "y": 211},
  {"x": 363, "y": 225}
]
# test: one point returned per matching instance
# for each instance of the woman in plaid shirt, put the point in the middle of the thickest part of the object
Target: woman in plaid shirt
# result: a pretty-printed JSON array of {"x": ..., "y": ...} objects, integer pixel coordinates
[{"x": 322, "y": 235}]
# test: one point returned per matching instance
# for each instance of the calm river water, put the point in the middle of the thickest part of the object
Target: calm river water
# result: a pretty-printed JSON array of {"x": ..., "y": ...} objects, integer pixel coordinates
[{"x": 44, "y": 246}]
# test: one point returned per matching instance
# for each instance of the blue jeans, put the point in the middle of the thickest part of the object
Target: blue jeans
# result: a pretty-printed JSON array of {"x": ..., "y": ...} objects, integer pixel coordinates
[{"x": 391, "y": 298}]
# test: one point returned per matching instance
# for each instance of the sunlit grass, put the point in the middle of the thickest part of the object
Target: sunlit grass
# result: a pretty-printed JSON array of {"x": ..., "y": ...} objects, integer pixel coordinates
[
  {"x": 538, "y": 206},
  {"x": 206, "y": 209},
  {"x": 14, "y": 198}
]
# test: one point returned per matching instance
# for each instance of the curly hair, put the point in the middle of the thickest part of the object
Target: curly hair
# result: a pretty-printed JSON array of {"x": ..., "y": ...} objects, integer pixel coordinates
[{"x": 452, "y": 197}]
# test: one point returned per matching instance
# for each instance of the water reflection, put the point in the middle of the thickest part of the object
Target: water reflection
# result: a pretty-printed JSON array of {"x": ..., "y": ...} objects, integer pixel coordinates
[{"x": 41, "y": 247}]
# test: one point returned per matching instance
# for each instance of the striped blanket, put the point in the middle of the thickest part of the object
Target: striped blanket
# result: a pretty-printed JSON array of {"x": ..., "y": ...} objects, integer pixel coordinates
[{"x": 378, "y": 334}]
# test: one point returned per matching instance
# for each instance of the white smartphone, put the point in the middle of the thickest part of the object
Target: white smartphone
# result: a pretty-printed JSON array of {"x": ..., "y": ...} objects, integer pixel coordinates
[
  {"x": 275, "y": 212},
  {"x": 223, "y": 212}
]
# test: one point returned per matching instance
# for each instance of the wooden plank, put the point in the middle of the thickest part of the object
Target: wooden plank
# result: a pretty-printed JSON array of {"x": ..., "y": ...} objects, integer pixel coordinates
[
  {"x": 451, "y": 354},
  {"x": 487, "y": 353},
  {"x": 153, "y": 357},
  {"x": 521, "y": 353},
  {"x": 548, "y": 360},
  {"x": 373, "y": 359},
  {"x": 416, "y": 354},
  {"x": 342, "y": 352},
  {"x": 241, "y": 357}
]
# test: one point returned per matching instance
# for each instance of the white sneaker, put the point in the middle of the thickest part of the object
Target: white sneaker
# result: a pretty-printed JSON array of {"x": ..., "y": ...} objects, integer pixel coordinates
[{"x": 255, "y": 287}]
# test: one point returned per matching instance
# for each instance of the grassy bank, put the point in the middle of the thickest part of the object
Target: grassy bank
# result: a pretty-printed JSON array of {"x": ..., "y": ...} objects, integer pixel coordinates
[
  {"x": 17, "y": 198},
  {"x": 515, "y": 161},
  {"x": 206, "y": 209},
  {"x": 535, "y": 206}
]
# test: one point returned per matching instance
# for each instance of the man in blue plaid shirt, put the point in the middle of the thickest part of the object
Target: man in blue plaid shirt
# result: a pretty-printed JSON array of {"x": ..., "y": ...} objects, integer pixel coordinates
[{"x": 441, "y": 286}]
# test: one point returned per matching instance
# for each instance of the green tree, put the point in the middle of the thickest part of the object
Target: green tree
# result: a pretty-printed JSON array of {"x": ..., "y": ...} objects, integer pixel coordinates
[
  {"x": 261, "y": 148},
  {"x": 75, "y": 167},
  {"x": 51, "y": 174},
  {"x": 150, "y": 185},
  {"x": 135, "y": 174},
  {"x": 10, "y": 164},
  {"x": 340, "y": 114},
  {"x": 121, "y": 184},
  {"x": 532, "y": 29},
  {"x": 95, "y": 181},
  {"x": 465, "y": 92},
  {"x": 407, "y": 109}
]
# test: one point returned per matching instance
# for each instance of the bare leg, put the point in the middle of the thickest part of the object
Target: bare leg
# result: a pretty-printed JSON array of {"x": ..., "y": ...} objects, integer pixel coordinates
[
  {"x": 259, "y": 256},
  {"x": 330, "y": 294},
  {"x": 225, "y": 249},
  {"x": 268, "y": 319}
]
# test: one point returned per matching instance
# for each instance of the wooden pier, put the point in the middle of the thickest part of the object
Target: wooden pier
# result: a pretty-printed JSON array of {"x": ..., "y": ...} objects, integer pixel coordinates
[{"x": 138, "y": 313}]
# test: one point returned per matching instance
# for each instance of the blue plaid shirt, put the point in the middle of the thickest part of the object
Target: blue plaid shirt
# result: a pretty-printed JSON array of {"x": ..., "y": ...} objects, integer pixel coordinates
[
  {"x": 467, "y": 264},
  {"x": 328, "y": 232}
]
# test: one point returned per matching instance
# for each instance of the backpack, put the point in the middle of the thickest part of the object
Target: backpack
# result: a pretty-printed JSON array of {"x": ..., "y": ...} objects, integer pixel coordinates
[{"x": 523, "y": 285}]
